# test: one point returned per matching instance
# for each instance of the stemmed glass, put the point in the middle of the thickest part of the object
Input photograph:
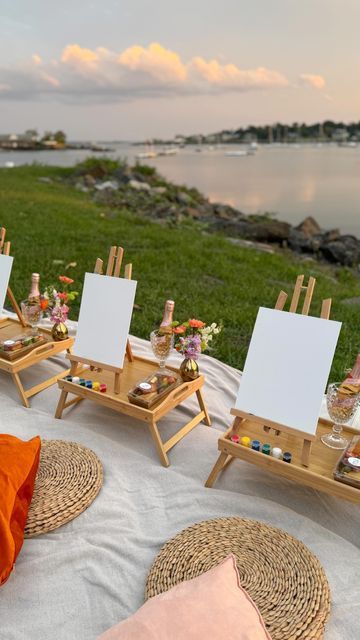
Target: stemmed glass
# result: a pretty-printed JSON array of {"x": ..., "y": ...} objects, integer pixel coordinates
[
  {"x": 341, "y": 406},
  {"x": 32, "y": 313},
  {"x": 162, "y": 344}
]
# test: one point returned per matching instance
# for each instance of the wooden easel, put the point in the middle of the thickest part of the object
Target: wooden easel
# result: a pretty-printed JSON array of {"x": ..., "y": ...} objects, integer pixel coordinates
[
  {"x": 242, "y": 418},
  {"x": 113, "y": 269},
  {"x": 5, "y": 250},
  {"x": 9, "y": 329},
  {"x": 134, "y": 369}
]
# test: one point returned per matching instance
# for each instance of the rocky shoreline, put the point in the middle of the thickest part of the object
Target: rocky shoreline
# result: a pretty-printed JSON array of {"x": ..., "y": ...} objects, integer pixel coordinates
[{"x": 141, "y": 190}]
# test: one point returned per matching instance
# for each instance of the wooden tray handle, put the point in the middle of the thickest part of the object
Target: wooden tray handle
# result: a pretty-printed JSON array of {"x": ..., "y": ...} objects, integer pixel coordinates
[{"x": 176, "y": 394}]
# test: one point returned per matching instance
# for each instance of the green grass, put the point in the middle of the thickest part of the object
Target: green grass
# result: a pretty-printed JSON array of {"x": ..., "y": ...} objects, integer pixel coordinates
[{"x": 208, "y": 277}]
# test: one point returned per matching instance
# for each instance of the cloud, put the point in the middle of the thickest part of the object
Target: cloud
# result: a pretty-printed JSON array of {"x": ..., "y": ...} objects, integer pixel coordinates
[
  {"x": 101, "y": 75},
  {"x": 312, "y": 80},
  {"x": 229, "y": 76}
]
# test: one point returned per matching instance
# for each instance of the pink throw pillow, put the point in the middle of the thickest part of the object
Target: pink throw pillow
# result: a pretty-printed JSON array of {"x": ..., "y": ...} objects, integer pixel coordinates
[{"x": 212, "y": 606}]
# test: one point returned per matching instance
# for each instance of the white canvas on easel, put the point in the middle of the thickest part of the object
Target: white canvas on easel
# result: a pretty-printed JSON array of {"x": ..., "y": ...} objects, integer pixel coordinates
[
  {"x": 287, "y": 368},
  {"x": 104, "y": 319},
  {"x": 5, "y": 271}
]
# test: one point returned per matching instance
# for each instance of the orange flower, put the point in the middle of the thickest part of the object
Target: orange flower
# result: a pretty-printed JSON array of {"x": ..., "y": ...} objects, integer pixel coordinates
[
  {"x": 179, "y": 329},
  {"x": 63, "y": 296},
  {"x": 44, "y": 303},
  {"x": 196, "y": 324},
  {"x": 65, "y": 280}
]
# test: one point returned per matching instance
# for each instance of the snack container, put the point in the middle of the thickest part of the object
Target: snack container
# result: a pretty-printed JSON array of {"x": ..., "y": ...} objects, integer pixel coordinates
[
  {"x": 20, "y": 345},
  {"x": 347, "y": 469},
  {"x": 150, "y": 390}
]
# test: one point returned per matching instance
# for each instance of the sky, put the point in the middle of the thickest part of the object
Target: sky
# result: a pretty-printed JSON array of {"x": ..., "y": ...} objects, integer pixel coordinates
[{"x": 135, "y": 69}]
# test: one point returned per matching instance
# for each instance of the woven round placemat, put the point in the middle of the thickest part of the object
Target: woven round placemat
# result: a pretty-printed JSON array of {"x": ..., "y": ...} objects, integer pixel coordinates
[
  {"x": 69, "y": 478},
  {"x": 285, "y": 580}
]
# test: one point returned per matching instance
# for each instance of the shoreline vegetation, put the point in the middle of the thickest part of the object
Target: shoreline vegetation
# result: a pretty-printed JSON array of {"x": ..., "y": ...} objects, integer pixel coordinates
[{"x": 213, "y": 260}]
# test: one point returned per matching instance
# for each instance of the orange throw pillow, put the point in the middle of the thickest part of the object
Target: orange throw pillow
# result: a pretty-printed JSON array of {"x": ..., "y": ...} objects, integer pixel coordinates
[{"x": 19, "y": 462}]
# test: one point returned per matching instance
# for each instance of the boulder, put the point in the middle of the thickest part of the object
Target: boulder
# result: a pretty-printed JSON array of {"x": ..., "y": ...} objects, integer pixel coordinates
[
  {"x": 301, "y": 243},
  {"x": 309, "y": 227},
  {"x": 263, "y": 231},
  {"x": 183, "y": 198},
  {"x": 108, "y": 185},
  {"x": 89, "y": 180},
  {"x": 345, "y": 250},
  {"x": 139, "y": 186}
]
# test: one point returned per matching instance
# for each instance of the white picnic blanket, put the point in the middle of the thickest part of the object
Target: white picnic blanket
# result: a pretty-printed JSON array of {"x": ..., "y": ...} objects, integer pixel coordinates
[{"x": 75, "y": 582}]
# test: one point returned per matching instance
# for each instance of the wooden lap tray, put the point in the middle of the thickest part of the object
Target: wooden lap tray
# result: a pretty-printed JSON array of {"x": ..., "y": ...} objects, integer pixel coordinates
[
  {"x": 134, "y": 371},
  {"x": 11, "y": 328},
  {"x": 319, "y": 473}
]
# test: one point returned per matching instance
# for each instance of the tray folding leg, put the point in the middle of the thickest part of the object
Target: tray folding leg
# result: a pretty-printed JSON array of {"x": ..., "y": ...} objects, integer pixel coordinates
[
  {"x": 224, "y": 459},
  {"x": 25, "y": 394}
]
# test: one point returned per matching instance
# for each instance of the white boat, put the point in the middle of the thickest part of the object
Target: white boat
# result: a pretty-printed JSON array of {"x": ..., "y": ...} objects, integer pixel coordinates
[
  {"x": 146, "y": 155},
  {"x": 237, "y": 154},
  {"x": 171, "y": 151}
]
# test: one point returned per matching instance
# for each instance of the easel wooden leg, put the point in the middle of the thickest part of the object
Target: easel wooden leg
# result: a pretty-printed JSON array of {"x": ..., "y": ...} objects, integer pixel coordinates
[
  {"x": 129, "y": 352},
  {"x": 73, "y": 368},
  {"x": 203, "y": 407},
  {"x": 159, "y": 444},
  {"x": 305, "y": 455},
  {"x": 61, "y": 404},
  {"x": 21, "y": 390},
  {"x": 221, "y": 462},
  {"x": 117, "y": 383}
]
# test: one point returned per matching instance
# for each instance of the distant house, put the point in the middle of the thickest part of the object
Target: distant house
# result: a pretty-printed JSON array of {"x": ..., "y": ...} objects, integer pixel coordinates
[
  {"x": 18, "y": 141},
  {"x": 340, "y": 135}
]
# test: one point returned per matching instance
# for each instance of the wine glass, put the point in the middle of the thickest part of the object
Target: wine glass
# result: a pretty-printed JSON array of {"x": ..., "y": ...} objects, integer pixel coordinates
[
  {"x": 162, "y": 344},
  {"x": 341, "y": 406},
  {"x": 32, "y": 313}
]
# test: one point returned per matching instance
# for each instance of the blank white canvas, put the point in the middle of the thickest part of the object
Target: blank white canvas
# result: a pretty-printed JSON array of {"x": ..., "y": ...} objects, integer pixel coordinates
[
  {"x": 287, "y": 368},
  {"x": 104, "y": 320},
  {"x": 5, "y": 270}
]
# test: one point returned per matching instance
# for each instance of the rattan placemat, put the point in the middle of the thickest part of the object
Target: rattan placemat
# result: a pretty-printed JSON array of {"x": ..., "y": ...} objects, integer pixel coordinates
[
  {"x": 283, "y": 577},
  {"x": 69, "y": 478}
]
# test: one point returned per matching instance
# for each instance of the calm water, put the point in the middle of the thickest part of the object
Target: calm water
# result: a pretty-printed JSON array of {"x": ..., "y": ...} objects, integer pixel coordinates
[{"x": 291, "y": 181}]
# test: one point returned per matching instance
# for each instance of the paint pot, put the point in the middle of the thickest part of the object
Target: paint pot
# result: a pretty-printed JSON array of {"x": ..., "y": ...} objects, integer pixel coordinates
[
  {"x": 277, "y": 453},
  {"x": 88, "y": 384},
  {"x": 245, "y": 441},
  {"x": 266, "y": 448},
  {"x": 256, "y": 444},
  {"x": 96, "y": 386},
  {"x": 76, "y": 380},
  {"x": 287, "y": 456},
  {"x": 103, "y": 388},
  {"x": 235, "y": 439}
]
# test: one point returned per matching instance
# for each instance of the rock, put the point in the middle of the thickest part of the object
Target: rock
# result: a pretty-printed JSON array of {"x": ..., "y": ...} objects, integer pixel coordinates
[
  {"x": 45, "y": 180},
  {"x": 345, "y": 250},
  {"x": 225, "y": 212},
  {"x": 329, "y": 236},
  {"x": 183, "y": 198},
  {"x": 264, "y": 231},
  {"x": 301, "y": 243},
  {"x": 110, "y": 185},
  {"x": 191, "y": 212},
  {"x": 160, "y": 190},
  {"x": 81, "y": 187},
  {"x": 355, "y": 300},
  {"x": 309, "y": 226},
  {"x": 89, "y": 180},
  {"x": 139, "y": 186}
]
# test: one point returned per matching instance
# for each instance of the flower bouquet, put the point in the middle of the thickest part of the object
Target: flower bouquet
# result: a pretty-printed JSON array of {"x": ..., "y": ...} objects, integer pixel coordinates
[
  {"x": 191, "y": 339},
  {"x": 55, "y": 304}
]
